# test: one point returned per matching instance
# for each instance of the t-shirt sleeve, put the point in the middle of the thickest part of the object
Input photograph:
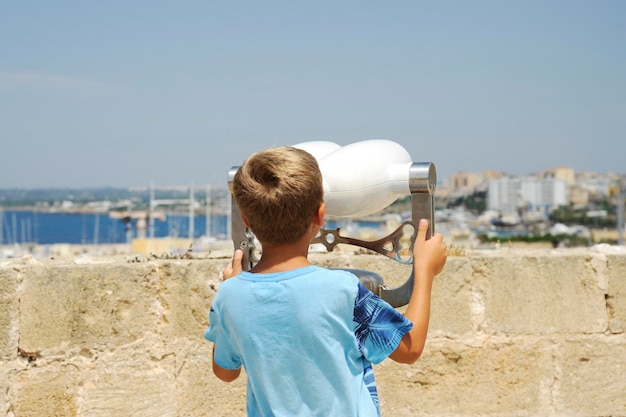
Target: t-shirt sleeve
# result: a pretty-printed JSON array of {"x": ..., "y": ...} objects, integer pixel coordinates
[
  {"x": 225, "y": 354},
  {"x": 379, "y": 326}
]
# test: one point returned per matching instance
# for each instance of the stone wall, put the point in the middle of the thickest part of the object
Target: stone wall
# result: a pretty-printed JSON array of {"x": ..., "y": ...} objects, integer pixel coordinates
[{"x": 513, "y": 333}]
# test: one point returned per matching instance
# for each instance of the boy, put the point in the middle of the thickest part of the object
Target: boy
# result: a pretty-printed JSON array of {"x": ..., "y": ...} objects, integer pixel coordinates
[{"x": 306, "y": 335}]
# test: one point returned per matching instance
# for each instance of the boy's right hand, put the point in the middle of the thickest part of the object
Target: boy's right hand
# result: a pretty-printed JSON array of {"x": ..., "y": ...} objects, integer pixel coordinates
[
  {"x": 234, "y": 267},
  {"x": 430, "y": 255}
]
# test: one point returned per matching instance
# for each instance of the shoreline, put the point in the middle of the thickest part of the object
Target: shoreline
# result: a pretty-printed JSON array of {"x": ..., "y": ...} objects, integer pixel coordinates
[{"x": 155, "y": 247}]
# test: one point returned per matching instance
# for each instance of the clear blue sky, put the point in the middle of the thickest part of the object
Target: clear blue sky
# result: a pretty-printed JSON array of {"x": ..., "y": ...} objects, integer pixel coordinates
[{"x": 122, "y": 93}]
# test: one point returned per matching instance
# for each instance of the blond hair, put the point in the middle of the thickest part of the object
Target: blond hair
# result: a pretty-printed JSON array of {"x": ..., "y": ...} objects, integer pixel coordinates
[{"x": 279, "y": 191}]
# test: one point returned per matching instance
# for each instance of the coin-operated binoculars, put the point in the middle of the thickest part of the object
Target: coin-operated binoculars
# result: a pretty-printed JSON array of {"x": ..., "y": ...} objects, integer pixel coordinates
[{"x": 361, "y": 179}]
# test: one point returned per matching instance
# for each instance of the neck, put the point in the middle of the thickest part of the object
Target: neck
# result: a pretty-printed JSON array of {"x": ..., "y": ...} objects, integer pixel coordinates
[{"x": 284, "y": 257}]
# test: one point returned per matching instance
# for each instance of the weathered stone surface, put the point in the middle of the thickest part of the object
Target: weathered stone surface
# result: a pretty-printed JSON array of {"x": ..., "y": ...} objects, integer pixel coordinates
[
  {"x": 497, "y": 377},
  {"x": 200, "y": 392},
  {"x": 451, "y": 305},
  {"x": 512, "y": 333},
  {"x": 9, "y": 301},
  {"x": 592, "y": 376},
  {"x": 539, "y": 293},
  {"x": 49, "y": 391},
  {"x": 141, "y": 388},
  {"x": 110, "y": 304},
  {"x": 186, "y": 290},
  {"x": 4, "y": 386},
  {"x": 616, "y": 298}
]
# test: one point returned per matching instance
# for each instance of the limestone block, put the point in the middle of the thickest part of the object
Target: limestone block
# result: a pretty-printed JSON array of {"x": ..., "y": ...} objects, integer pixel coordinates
[
  {"x": 593, "y": 376},
  {"x": 4, "y": 387},
  {"x": 9, "y": 301},
  {"x": 451, "y": 308},
  {"x": 506, "y": 377},
  {"x": 140, "y": 387},
  {"x": 51, "y": 390},
  {"x": 186, "y": 291},
  {"x": 616, "y": 298},
  {"x": 200, "y": 392},
  {"x": 107, "y": 304},
  {"x": 538, "y": 293}
]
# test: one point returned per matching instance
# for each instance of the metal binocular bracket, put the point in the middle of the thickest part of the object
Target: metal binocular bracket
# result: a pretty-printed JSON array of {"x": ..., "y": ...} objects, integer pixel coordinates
[{"x": 422, "y": 183}]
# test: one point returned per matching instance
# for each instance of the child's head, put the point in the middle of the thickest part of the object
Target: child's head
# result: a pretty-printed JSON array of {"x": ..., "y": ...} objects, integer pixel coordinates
[{"x": 279, "y": 191}]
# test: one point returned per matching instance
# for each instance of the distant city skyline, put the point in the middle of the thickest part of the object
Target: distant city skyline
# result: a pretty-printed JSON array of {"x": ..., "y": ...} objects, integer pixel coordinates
[
  {"x": 117, "y": 94},
  {"x": 483, "y": 176}
]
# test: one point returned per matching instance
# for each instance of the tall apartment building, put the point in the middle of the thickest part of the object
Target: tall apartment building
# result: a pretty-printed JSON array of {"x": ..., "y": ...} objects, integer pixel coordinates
[{"x": 507, "y": 195}]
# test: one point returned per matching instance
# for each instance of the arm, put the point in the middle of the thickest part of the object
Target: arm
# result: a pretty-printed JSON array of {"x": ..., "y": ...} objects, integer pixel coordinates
[
  {"x": 231, "y": 269},
  {"x": 226, "y": 375},
  {"x": 429, "y": 257}
]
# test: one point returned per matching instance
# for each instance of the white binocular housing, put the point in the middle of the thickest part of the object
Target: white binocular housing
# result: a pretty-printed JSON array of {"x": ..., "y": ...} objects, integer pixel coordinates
[{"x": 362, "y": 178}]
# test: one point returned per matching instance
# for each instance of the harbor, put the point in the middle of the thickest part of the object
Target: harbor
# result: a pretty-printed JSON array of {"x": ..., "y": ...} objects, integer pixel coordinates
[{"x": 184, "y": 219}]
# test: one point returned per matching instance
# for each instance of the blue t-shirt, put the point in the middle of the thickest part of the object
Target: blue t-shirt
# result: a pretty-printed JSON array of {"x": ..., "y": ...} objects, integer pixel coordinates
[{"x": 306, "y": 338}]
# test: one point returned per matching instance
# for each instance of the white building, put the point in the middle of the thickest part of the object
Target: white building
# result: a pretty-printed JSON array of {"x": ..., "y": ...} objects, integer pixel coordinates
[
  {"x": 599, "y": 186},
  {"x": 510, "y": 194}
]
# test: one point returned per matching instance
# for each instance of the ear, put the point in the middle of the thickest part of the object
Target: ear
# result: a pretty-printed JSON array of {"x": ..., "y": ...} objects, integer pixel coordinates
[
  {"x": 319, "y": 218},
  {"x": 245, "y": 221}
]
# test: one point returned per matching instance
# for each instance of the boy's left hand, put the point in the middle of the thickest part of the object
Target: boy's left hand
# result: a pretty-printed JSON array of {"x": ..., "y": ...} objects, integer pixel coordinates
[{"x": 234, "y": 267}]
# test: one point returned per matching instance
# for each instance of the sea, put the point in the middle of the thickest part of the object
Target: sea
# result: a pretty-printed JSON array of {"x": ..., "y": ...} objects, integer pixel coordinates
[
  {"x": 47, "y": 228},
  {"x": 44, "y": 228}
]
